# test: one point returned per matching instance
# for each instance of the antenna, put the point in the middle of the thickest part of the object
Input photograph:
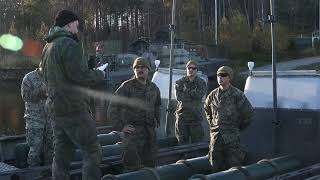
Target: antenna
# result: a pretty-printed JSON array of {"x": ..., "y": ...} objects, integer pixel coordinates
[
  {"x": 276, "y": 122},
  {"x": 171, "y": 28}
]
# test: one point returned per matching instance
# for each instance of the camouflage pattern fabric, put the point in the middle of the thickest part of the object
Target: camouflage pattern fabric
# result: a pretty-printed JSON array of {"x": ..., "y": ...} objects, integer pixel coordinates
[
  {"x": 140, "y": 149},
  {"x": 65, "y": 72},
  {"x": 228, "y": 112},
  {"x": 67, "y": 77},
  {"x": 76, "y": 130},
  {"x": 40, "y": 141},
  {"x": 33, "y": 92},
  {"x": 189, "y": 112},
  {"x": 188, "y": 132},
  {"x": 223, "y": 155},
  {"x": 38, "y": 123}
]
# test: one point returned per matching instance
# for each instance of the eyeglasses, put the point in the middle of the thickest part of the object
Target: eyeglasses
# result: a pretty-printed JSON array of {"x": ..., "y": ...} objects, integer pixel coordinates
[
  {"x": 140, "y": 67},
  {"x": 222, "y": 74},
  {"x": 193, "y": 68}
]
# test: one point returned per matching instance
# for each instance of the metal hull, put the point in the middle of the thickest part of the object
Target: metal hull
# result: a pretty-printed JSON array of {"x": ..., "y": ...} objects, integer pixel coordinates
[{"x": 298, "y": 134}]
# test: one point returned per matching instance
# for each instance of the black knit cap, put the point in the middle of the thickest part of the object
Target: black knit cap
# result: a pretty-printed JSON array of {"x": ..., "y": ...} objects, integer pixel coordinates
[{"x": 65, "y": 17}]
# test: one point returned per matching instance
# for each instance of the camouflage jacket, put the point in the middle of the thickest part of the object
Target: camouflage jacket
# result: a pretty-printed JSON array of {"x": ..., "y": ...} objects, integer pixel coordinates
[
  {"x": 33, "y": 92},
  {"x": 228, "y": 112},
  {"x": 135, "y": 104},
  {"x": 66, "y": 73},
  {"x": 189, "y": 95}
]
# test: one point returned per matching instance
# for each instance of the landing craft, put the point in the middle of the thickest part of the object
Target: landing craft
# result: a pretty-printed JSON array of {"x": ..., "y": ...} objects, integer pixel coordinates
[
  {"x": 15, "y": 155},
  {"x": 273, "y": 133},
  {"x": 298, "y": 113},
  {"x": 13, "y": 150},
  {"x": 296, "y": 135},
  {"x": 294, "y": 154},
  {"x": 288, "y": 149}
]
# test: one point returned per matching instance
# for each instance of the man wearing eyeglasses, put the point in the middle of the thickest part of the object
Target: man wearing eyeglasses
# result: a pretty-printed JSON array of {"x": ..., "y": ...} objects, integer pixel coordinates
[
  {"x": 190, "y": 91},
  {"x": 135, "y": 110},
  {"x": 228, "y": 112}
]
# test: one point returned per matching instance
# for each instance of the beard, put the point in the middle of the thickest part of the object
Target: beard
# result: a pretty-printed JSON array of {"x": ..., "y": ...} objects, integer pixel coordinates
[{"x": 141, "y": 77}]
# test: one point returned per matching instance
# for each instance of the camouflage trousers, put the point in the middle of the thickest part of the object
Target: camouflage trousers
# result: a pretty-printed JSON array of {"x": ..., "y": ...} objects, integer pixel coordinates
[
  {"x": 223, "y": 155},
  {"x": 140, "y": 148},
  {"x": 71, "y": 131},
  {"x": 187, "y": 131},
  {"x": 40, "y": 142}
]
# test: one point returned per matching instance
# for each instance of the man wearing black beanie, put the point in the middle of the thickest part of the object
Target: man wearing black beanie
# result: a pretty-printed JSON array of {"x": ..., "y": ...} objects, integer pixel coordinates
[
  {"x": 66, "y": 74},
  {"x": 64, "y": 17}
]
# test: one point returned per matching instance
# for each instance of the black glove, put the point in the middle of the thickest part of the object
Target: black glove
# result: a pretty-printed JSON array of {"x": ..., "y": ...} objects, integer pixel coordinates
[{"x": 92, "y": 63}]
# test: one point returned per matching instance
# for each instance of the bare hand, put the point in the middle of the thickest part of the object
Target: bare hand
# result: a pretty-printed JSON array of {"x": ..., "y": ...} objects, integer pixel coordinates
[{"x": 128, "y": 129}]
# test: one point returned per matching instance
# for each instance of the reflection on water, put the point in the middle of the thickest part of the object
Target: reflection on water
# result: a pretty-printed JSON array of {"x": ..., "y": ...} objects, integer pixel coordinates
[{"x": 11, "y": 108}]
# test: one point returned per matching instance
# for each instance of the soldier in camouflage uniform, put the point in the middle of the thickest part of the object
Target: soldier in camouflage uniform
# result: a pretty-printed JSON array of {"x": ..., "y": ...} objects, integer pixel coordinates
[
  {"x": 38, "y": 124},
  {"x": 67, "y": 77},
  {"x": 139, "y": 119},
  {"x": 228, "y": 112},
  {"x": 190, "y": 90}
]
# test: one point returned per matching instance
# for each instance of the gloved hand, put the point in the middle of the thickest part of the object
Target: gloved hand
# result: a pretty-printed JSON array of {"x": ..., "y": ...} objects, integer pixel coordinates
[{"x": 92, "y": 63}]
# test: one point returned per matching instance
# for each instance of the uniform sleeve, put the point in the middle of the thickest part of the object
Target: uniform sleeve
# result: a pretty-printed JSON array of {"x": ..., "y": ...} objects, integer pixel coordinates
[
  {"x": 199, "y": 91},
  {"x": 246, "y": 111},
  {"x": 157, "y": 107},
  {"x": 207, "y": 108},
  {"x": 114, "y": 114},
  {"x": 180, "y": 94},
  {"x": 29, "y": 92},
  {"x": 76, "y": 67}
]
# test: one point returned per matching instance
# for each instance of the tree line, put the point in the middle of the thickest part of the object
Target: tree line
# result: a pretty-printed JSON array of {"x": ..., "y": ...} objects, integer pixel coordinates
[{"x": 128, "y": 20}]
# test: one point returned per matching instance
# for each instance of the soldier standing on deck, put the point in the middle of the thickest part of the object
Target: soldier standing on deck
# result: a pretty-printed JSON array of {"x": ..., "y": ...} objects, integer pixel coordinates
[
  {"x": 190, "y": 90},
  {"x": 138, "y": 121},
  {"x": 38, "y": 123},
  {"x": 67, "y": 77},
  {"x": 228, "y": 112}
]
